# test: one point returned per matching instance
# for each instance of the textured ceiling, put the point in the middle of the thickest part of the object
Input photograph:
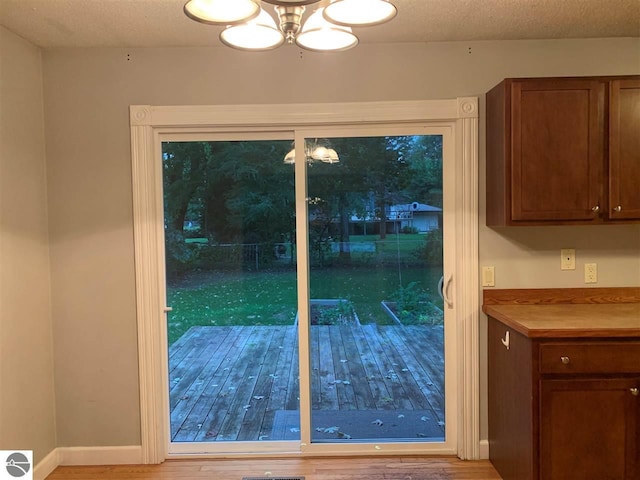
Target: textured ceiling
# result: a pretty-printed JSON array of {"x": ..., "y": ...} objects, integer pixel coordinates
[{"x": 161, "y": 23}]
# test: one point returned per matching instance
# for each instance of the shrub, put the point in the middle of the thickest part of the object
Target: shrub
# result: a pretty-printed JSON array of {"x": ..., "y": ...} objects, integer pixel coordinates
[
  {"x": 413, "y": 306},
  {"x": 431, "y": 251}
]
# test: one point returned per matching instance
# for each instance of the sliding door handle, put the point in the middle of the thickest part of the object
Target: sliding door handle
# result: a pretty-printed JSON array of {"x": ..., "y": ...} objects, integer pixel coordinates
[{"x": 443, "y": 290}]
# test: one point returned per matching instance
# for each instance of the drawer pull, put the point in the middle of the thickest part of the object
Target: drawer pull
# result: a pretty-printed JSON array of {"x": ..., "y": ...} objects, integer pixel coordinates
[
  {"x": 634, "y": 391},
  {"x": 565, "y": 360},
  {"x": 505, "y": 340}
]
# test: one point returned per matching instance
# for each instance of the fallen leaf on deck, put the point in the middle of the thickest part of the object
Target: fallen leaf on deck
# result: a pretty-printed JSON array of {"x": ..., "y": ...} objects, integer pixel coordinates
[{"x": 331, "y": 430}]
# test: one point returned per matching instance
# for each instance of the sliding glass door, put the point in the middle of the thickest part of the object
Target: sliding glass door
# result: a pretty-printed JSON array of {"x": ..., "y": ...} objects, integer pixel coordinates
[
  {"x": 229, "y": 216},
  {"x": 302, "y": 279},
  {"x": 375, "y": 228}
]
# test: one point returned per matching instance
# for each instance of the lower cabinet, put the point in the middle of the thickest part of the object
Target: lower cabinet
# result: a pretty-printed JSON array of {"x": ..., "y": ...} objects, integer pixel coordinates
[
  {"x": 588, "y": 429},
  {"x": 563, "y": 409}
]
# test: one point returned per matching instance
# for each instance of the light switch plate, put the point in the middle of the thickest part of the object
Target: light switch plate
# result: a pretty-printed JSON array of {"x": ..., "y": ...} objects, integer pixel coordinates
[{"x": 488, "y": 277}]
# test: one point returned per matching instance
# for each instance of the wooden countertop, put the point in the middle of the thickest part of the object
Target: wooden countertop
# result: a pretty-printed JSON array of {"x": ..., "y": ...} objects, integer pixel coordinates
[
  {"x": 570, "y": 320},
  {"x": 567, "y": 313}
]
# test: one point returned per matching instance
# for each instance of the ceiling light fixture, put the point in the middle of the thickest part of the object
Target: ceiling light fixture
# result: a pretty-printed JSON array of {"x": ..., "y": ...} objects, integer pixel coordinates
[{"x": 328, "y": 28}]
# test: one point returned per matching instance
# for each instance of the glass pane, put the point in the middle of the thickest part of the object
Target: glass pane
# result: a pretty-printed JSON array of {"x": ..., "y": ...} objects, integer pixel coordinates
[
  {"x": 231, "y": 282},
  {"x": 375, "y": 248}
]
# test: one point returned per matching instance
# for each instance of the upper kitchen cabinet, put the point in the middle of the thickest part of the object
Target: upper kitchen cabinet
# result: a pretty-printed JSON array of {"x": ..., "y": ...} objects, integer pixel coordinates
[
  {"x": 624, "y": 149},
  {"x": 563, "y": 151}
]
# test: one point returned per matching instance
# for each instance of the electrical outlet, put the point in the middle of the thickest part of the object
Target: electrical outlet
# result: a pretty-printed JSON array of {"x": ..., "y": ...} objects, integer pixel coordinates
[
  {"x": 488, "y": 277},
  {"x": 567, "y": 259},
  {"x": 590, "y": 273}
]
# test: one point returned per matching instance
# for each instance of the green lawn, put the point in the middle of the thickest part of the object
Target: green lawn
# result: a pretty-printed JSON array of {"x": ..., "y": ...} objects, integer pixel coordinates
[{"x": 269, "y": 297}]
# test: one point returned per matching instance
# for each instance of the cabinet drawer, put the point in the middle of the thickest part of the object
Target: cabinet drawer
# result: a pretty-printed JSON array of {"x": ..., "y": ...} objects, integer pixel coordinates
[{"x": 590, "y": 357}]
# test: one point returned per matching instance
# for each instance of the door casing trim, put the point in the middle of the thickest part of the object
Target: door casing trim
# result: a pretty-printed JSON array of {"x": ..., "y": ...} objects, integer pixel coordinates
[{"x": 147, "y": 121}]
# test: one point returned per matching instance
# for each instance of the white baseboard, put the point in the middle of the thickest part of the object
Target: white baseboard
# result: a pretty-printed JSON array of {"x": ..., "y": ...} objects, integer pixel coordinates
[
  {"x": 87, "y": 456},
  {"x": 100, "y": 455},
  {"x": 47, "y": 465},
  {"x": 484, "y": 449}
]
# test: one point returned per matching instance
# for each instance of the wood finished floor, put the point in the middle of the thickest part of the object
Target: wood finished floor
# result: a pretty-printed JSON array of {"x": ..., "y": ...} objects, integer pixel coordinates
[
  {"x": 228, "y": 383},
  {"x": 361, "y": 468}
]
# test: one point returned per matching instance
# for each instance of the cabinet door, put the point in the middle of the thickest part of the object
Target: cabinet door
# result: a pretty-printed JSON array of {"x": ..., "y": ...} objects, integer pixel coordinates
[
  {"x": 624, "y": 150},
  {"x": 557, "y": 129},
  {"x": 589, "y": 429},
  {"x": 512, "y": 448}
]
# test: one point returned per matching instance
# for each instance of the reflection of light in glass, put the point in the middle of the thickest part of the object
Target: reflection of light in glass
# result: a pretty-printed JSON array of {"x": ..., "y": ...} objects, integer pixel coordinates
[{"x": 318, "y": 154}]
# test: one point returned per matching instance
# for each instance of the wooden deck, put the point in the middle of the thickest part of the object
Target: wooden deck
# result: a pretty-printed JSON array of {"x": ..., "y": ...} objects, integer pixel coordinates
[{"x": 232, "y": 383}]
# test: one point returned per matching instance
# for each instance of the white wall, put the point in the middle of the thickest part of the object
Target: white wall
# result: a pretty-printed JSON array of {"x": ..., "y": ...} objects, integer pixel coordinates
[
  {"x": 87, "y": 94},
  {"x": 27, "y": 419}
]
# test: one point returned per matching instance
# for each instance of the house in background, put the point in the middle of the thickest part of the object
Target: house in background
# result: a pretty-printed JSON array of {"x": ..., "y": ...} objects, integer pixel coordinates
[
  {"x": 402, "y": 217},
  {"x": 416, "y": 215},
  {"x": 68, "y": 342}
]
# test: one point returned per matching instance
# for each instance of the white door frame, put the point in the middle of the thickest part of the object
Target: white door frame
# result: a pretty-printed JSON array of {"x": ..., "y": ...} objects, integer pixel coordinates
[{"x": 461, "y": 285}]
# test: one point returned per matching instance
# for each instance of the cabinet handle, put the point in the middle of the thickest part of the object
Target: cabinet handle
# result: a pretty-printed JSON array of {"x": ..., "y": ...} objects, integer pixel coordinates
[
  {"x": 505, "y": 340},
  {"x": 565, "y": 360},
  {"x": 634, "y": 391},
  {"x": 595, "y": 209},
  {"x": 617, "y": 209}
]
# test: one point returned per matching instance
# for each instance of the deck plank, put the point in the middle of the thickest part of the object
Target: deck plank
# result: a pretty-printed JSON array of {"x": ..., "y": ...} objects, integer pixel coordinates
[
  {"x": 346, "y": 395},
  {"x": 326, "y": 369},
  {"x": 186, "y": 370},
  {"x": 283, "y": 386},
  {"x": 398, "y": 371},
  {"x": 203, "y": 386},
  {"x": 379, "y": 345},
  {"x": 217, "y": 373},
  {"x": 357, "y": 375},
  {"x": 251, "y": 426},
  {"x": 425, "y": 384},
  {"x": 372, "y": 374},
  {"x": 430, "y": 354},
  {"x": 243, "y": 379},
  {"x": 210, "y": 409}
]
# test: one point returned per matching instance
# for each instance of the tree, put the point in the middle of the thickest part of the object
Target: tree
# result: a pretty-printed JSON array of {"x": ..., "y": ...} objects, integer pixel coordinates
[
  {"x": 424, "y": 159},
  {"x": 183, "y": 166}
]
